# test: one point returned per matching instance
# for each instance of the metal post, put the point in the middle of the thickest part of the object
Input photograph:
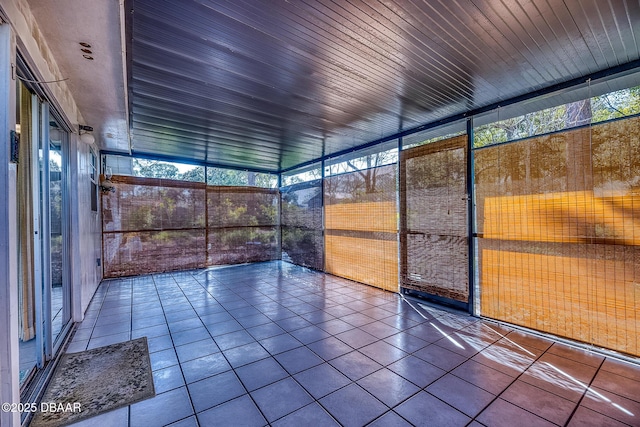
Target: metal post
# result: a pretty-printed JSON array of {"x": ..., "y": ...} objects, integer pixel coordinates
[
  {"x": 471, "y": 216},
  {"x": 324, "y": 242},
  {"x": 279, "y": 221},
  {"x": 45, "y": 238},
  {"x": 37, "y": 225},
  {"x": 399, "y": 239},
  {"x": 206, "y": 216}
]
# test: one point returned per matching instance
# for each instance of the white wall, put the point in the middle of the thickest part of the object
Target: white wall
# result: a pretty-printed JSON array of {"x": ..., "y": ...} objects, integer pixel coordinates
[
  {"x": 86, "y": 230},
  {"x": 21, "y": 32},
  {"x": 34, "y": 48},
  {"x": 85, "y": 227}
]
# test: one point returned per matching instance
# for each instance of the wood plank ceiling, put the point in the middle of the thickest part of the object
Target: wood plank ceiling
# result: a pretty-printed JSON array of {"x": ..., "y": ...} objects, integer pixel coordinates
[{"x": 269, "y": 84}]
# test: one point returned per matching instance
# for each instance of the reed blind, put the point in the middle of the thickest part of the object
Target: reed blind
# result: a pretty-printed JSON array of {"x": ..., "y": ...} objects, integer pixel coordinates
[
  {"x": 434, "y": 218},
  {"x": 242, "y": 225},
  {"x": 559, "y": 225},
  {"x": 361, "y": 233},
  {"x": 301, "y": 224},
  {"x": 151, "y": 225}
]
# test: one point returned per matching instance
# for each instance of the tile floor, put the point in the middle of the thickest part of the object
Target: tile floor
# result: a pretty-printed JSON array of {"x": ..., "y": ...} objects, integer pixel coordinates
[{"x": 275, "y": 344}]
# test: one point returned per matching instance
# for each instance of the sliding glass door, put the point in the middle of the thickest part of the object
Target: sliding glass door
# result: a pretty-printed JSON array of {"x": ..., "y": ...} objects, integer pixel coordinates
[
  {"x": 29, "y": 304},
  {"x": 44, "y": 288}
]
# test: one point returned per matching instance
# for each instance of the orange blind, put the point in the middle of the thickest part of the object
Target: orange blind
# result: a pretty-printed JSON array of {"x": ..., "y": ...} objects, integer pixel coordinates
[
  {"x": 361, "y": 240},
  {"x": 559, "y": 220}
]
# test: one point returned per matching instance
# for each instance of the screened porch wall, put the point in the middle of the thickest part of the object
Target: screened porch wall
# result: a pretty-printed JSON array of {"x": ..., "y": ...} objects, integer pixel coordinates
[
  {"x": 559, "y": 233},
  {"x": 242, "y": 225},
  {"x": 433, "y": 208},
  {"x": 361, "y": 226},
  {"x": 557, "y": 229},
  {"x": 151, "y": 225},
  {"x": 155, "y": 225},
  {"x": 301, "y": 224}
]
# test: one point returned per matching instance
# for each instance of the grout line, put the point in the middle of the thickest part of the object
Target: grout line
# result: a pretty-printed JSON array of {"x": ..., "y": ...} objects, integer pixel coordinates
[{"x": 585, "y": 392}]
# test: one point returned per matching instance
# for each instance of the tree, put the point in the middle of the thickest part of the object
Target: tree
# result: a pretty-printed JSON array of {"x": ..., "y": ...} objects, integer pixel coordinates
[
  {"x": 617, "y": 104},
  {"x": 527, "y": 125},
  {"x": 155, "y": 169},
  {"x": 367, "y": 169},
  {"x": 578, "y": 113},
  {"x": 231, "y": 177},
  {"x": 194, "y": 175}
]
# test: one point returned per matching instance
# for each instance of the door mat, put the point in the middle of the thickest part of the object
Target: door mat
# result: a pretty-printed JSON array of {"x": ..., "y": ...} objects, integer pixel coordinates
[{"x": 94, "y": 381}]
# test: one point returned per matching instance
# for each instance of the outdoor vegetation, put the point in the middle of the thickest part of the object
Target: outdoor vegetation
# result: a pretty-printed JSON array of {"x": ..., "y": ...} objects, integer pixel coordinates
[
  {"x": 609, "y": 106},
  {"x": 214, "y": 176}
]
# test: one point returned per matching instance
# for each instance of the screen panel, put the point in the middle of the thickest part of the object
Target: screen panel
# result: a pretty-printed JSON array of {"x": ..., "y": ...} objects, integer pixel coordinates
[
  {"x": 242, "y": 224},
  {"x": 237, "y": 245},
  {"x": 152, "y": 225},
  {"x": 143, "y": 252},
  {"x": 558, "y": 224},
  {"x": 152, "y": 204},
  {"x": 301, "y": 222},
  {"x": 361, "y": 229}
]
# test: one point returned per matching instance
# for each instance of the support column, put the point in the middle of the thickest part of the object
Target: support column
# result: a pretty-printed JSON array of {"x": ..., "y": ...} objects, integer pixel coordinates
[
  {"x": 399, "y": 217},
  {"x": 471, "y": 217}
]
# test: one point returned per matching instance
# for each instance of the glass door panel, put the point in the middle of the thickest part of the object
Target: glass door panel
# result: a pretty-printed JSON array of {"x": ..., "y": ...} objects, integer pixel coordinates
[
  {"x": 29, "y": 295},
  {"x": 60, "y": 313}
]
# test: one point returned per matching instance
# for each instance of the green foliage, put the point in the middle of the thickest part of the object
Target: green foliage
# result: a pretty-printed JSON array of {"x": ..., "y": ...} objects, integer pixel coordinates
[
  {"x": 230, "y": 177},
  {"x": 609, "y": 106},
  {"x": 141, "y": 217},
  {"x": 426, "y": 141},
  {"x": 246, "y": 236},
  {"x": 214, "y": 176},
  {"x": 193, "y": 175},
  {"x": 155, "y": 169},
  {"x": 613, "y": 105},
  {"x": 536, "y": 123},
  {"x": 298, "y": 178}
]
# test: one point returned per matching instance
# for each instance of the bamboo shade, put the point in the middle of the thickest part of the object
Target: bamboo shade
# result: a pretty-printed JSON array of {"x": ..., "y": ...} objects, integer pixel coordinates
[
  {"x": 237, "y": 245},
  {"x": 153, "y": 204},
  {"x": 573, "y": 216},
  {"x": 370, "y": 261},
  {"x": 301, "y": 222},
  {"x": 144, "y": 252},
  {"x": 434, "y": 216},
  {"x": 242, "y": 225},
  {"x": 152, "y": 225},
  {"x": 380, "y": 216},
  {"x": 559, "y": 226},
  {"x": 361, "y": 226}
]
